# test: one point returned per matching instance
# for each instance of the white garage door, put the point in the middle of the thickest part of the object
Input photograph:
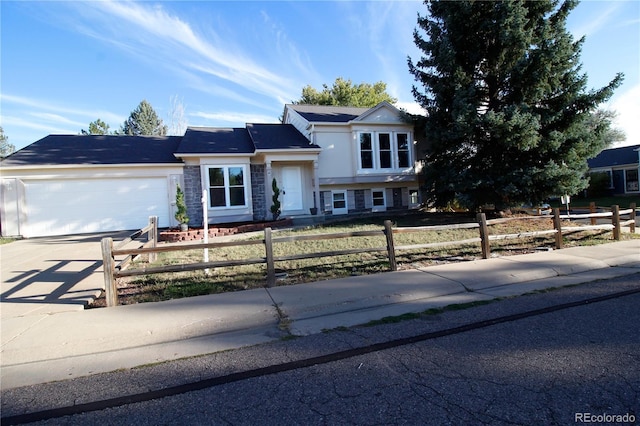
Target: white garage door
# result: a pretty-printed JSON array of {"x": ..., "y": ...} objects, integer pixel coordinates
[{"x": 61, "y": 207}]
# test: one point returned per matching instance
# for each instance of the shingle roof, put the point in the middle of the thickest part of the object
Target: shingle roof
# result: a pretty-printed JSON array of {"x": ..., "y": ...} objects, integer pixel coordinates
[
  {"x": 96, "y": 149},
  {"x": 278, "y": 136},
  {"x": 213, "y": 140},
  {"x": 615, "y": 157},
  {"x": 328, "y": 113}
]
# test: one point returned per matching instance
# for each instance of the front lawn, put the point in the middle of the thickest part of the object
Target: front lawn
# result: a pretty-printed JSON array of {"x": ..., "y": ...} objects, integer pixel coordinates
[
  {"x": 622, "y": 201},
  {"x": 184, "y": 284}
]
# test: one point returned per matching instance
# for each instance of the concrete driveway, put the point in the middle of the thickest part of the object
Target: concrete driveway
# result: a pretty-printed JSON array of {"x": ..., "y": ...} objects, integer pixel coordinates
[{"x": 51, "y": 275}]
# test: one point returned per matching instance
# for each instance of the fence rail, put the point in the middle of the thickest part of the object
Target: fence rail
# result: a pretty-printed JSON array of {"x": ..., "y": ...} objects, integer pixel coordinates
[
  {"x": 110, "y": 266},
  {"x": 113, "y": 270}
]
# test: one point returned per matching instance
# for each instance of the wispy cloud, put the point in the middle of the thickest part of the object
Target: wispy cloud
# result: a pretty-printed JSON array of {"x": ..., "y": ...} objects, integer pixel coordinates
[
  {"x": 57, "y": 112},
  {"x": 154, "y": 34},
  {"x": 9, "y": 120},
  {"x": 597, "y": 22},
  {"x": 386, "y": 29}
]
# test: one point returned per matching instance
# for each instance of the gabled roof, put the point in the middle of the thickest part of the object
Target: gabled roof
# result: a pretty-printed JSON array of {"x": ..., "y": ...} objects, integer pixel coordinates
[
  {"x": 384, "y": 105},
  {"x": 278, "y": 136},
  {"x": 615, "y": 157},
  {"x": 213, "y": 140},
  {"x": 104, "y": 150},
  {"x": 96, "y": 149},
  {"x": 328, "y": 113}
]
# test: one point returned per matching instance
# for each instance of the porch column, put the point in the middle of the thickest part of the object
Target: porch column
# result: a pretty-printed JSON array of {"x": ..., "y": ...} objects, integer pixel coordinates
[{"x": 316, "y": 187}]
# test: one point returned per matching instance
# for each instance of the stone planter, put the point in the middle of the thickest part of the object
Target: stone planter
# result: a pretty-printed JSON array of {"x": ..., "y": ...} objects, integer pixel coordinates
[{"x": 197, "y": 234}]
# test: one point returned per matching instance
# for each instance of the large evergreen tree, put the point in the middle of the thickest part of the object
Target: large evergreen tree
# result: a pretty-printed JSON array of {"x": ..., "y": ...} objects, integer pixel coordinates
[
  {"x": 144, "y": 121},
  {"x": 506, "y": 100},
  {"x": 345, "y": 93}
]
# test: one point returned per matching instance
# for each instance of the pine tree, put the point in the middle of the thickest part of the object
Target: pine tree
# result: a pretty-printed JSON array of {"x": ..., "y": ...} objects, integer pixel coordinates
[
  {"x": 181, "y": 208},
  {"x": 506, "y": 100},
  {"x": 144, "y": 121},
  {"x": 97, "y": 127},
  {"x": 275, "y": 207}
]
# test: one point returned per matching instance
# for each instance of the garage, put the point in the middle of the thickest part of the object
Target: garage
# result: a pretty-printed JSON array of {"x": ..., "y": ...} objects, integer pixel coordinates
[
  {"x": 61, "y": 207},
  {"x": 77, "y": 184}
]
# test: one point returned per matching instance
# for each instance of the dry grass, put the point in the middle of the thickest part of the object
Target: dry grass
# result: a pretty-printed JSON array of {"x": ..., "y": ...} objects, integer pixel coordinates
[{"x": 184, "y": 284}]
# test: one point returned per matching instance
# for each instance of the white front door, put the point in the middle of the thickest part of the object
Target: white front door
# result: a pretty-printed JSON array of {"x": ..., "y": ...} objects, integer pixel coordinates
[{"x": 291, "y": 188}]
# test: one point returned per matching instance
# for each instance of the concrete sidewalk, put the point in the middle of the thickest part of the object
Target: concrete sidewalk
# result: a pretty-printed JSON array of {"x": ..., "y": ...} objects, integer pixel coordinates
[{"x": 39, "y": 347}]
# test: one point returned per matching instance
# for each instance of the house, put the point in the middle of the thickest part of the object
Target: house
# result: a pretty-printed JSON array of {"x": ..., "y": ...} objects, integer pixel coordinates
[
  {"x": 367, "y": 159},
  {"x": 68, "y": 184},
  {"x": 325, "y": 160},
  {"x": 622, "y": 165}
]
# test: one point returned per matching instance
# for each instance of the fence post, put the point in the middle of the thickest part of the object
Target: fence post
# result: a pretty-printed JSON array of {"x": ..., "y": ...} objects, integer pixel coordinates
[
  {"x": 108, "y": 265},
  {"x": 592, "y": 210},
  {"x": 632, "y": 217},
  {"x": 152, "y": 236},
  {"x": 391, "y": 250},
  {"x": 271, "y": 270},
  {"x": 615, "y": 220},
  {"x": 484, "y": 235},
  {"x": 557, "y": 225}
]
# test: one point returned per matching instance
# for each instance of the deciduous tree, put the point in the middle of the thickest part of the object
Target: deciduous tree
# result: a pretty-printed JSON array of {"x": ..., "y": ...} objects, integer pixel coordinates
[
  {"x": 345, "y": 93},
  {"x": 6, "y": 148}
]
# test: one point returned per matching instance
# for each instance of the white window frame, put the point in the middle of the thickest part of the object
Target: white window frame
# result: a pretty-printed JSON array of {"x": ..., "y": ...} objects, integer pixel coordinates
[
  {"x": 378, "y": 208},
  {"x": 373, "y": 151},
  {"x": 345, "y": 209},
  {"x": 376, "y": 152},
  {"x": 414, "y": 203},
  {"x": 626, "y": 182},
  {"x": 227, "y": 187},
  {"x": 396, "y": 145}
]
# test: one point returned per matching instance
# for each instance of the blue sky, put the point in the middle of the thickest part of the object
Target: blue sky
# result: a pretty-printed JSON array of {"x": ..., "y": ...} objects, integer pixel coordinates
[{"x": 65, "y": 64}]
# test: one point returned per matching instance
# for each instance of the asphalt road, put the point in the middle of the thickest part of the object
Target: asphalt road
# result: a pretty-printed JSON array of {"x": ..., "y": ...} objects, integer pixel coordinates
[{"x": 549, "y": 359}]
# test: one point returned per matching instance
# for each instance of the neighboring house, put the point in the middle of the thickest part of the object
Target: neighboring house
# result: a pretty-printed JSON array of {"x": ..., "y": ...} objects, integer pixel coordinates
[
  {"x": 622, "y": 165},
  {"x": 325, "y": 160}
]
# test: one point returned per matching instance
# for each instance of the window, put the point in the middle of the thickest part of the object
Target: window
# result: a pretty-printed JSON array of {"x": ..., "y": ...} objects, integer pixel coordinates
[
  {"x": 227, "y": 186},
  {"x": 339, "y": 202},
  {"x": 384, "y": 151},
  {"x": 631, "y": 179},
  {"x": 366, "y": 151},
  {"x": 384, "y": 145},
  {"x": 378, "y": 200},
  {"x": 414, "y": 197},
  {"x": 402, "y": 144}
]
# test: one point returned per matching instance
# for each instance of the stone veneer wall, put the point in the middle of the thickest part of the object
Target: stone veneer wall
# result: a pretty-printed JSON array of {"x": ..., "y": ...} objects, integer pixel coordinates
[
  {"x": 258, "y": 191},
  {"x": 360, "y": 203},
  {"x": 193, "y": 194}
]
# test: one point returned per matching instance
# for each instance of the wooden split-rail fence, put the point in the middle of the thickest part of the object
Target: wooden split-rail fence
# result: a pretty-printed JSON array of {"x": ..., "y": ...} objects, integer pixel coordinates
[{"x": 114, "y": 270}]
